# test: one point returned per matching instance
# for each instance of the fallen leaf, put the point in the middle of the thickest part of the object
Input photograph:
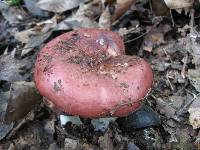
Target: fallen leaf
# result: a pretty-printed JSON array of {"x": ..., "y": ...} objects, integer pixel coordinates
[
  {"x": 25, "y": 36},
  {"x": 175, "y": 4},
  {"x": 34, "y": 37},
  {"x": 49, "y": 127},
  {"x": 4, "y": 127},
  {"x": 155, "y": 37},
  {"x": 23, "y": 98},
  {"x": 35, "y": 41},
  {"x": 169, "y": 106},
  {"x": 58, "y": 6},
  {"x": 105, "y": 19},
  {"x": 160, "y": 8},
  {"x": 83, "y": 18},
  {"x": 179, "y": 5},
  {"x": 121, "y": 7},
  {"x": 106, "y": 140},
  {"x": 12, "y": 14},
  {"x": 194, "y": 77},
  {"x": 71, "y": 144},
  {"x": 34, "y": 10},
  {"x": 13, "y": 69}
]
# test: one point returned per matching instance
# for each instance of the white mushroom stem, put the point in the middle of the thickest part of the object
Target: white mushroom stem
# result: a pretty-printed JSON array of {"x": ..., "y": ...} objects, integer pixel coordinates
[
  {"x": 100, "y": 124},
  {"x": 73, "y": 119}
]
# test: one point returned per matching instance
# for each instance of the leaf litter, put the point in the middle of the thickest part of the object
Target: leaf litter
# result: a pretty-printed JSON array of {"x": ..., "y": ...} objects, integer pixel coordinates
[{"x": 169, "y": 42}]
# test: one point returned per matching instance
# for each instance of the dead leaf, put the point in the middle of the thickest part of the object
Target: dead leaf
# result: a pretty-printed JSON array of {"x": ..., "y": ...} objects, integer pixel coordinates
[
  {"x": 12, "y": 14},
  {"x": 121, "y": 7},
  {"x": 23, "y": 98},
  {"x": 71, "y": 144},
  {"x": 179, "y": 5},
  {"x": 35, "y": 41},
  {"x": 34, "y": 10},
  {"x": 4, "y": 128},
  {"x": 105, "y": 19},
  {"x": 106, "y": 140},
  {"x": 194, "y": 77},
  {"x": 155, "y": 37},
  {"x": 15, "y": 69},
  {"x": 49, "y": 127},
  {"x": 168, "y": 107},
  {"x": 176, "y": 4},
  {"x": 59, "y": 6},
  {"x": 25, "y": 36},
  {"x": 83, "y": 18},
  {"x": 34, "y": 37},
  {"x": 160, "y": 8}
]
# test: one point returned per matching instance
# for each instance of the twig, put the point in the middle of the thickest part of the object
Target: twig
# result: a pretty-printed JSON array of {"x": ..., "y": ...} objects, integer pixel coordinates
[
  {"x": 62, "y": 131},
  {"x": 30, "y": 116},
  {"x": 192, "y": 21},
  {"x": 172, "y": 88},
  {"x": 185, "y": 108},
  {"x": 131, "y": 40},
  {"x": 184, "y": 66},
  {"x": 173, "y": 23}
]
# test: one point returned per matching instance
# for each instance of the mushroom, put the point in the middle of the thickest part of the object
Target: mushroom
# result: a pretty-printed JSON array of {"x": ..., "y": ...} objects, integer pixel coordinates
[{"x": 86, "y": 73}]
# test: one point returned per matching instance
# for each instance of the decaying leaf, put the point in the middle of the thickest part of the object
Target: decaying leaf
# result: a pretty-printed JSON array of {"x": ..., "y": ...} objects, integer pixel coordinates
[
  {"x": 34, "y": 37},
  {"x": 155, "y": 37},
  {"x": 194, "y": 76},
  {"x": 194, "y": 117},
  {"x": 35, "y": 41},
  {"x": 121, "y": 7},
  {"x": 169, "y": 106},
  {"x": 179, "y": 5},
  {"x": 11, "y": 14},
  {"x": 25, "y": 36},
  {"x": 4, "y": 127},
  {"x": 176, "y": 4},
  {"x": 106, "y": 140},
  {"x": 58, "y": 6},
  {"x": 105, "y": 19},
  {"x": 34, "y": 10},
  {"x": 72, "y": 144},
  {"x": 160, "y": 8},
  {"x": 23, "y": 98},
  {"x": 83, "y": 18},
  {"x": 12, "y": 69}
]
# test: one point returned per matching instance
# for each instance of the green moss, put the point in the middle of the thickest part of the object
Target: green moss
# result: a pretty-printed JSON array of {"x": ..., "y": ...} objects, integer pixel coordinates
[{"x": 14, "y": 2}]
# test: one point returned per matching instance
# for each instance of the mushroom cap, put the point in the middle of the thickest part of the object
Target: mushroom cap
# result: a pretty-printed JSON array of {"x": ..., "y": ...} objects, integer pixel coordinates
[{"x": 86, "y": 73}]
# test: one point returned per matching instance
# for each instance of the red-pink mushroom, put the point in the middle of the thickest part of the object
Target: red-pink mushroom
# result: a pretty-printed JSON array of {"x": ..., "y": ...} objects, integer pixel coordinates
[{"x": 86, "y": 73}]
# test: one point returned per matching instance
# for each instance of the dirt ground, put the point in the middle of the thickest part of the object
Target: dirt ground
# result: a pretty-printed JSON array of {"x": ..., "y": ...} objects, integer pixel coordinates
[{"x": 166, "y": 36}]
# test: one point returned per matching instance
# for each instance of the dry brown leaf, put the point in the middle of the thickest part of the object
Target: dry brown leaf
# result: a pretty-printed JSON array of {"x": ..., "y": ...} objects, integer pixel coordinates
[
  {"x": 58, "y": 6},
  {"x": 155, "y": 37},
  {"x": 105, "y": 19},
  {"x": 160, "y": 8},
  {"x": 23, "y": 98},
  {"x": 121, "y": 7},
  {"x": 108, "y": 1}
]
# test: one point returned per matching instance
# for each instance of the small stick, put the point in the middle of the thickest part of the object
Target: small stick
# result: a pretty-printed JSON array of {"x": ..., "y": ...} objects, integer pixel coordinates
[{"x": 184, "y": 66}]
